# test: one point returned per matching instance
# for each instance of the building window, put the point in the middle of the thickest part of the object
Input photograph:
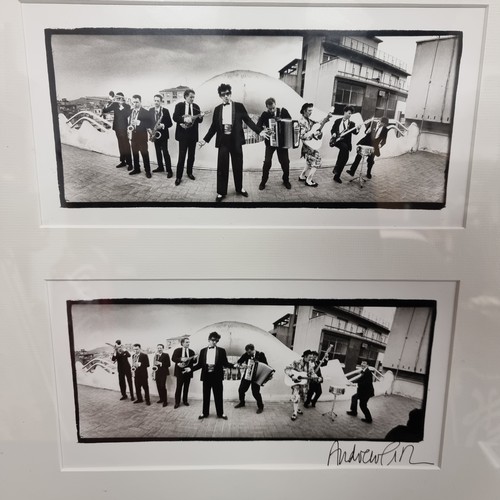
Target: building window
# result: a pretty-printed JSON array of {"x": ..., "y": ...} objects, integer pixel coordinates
[
  {"x": 355, "y": 69},
  {"x": 347, "y": 94},
  {"x": 315, "y": 313},
  {"x": 328, "y": 57},
  {"x": 377, "y": 74}
]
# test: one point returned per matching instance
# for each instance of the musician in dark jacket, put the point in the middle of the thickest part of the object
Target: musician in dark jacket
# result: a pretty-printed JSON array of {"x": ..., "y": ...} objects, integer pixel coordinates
[
  {"x": 183, "y": 358},
  {"x": 342, "y": 142},
  {"x": 187, "y": 116},
  {"x": 315, "y": 390},
  {"x": 140, "y": 120},
  {"x": 248, "y": 359},
  {"x": 211, "y": 361},
  {"x": 363, "y": 394},
  {"x": 161, "y": 122},
  {"x": 162, "y": 364},
  {"x": 376, "y": 136},
  {"x": 272, "y": 112},
  {"x": 227, "y": 126},
  {"x": 120, "y": 357},
  {"x": 121, "y": 112},
  {"x": 140, "y": 363}
]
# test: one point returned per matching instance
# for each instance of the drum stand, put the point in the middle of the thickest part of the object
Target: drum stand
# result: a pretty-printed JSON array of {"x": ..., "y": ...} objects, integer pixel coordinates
[
  {"x": 331, "y": 412},
  {"x": 359, "y": 178}
]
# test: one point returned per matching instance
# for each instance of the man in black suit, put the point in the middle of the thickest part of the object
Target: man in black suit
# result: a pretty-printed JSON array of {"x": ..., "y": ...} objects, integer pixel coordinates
[
  {"x": 344, "y": 144},
  {"x": 140, "y": 363},
  {"x": 161, "y": 367},
  {"x": 140, "y": 121},
  {"x": 363, "y": 394},
  {"x": 181, "y": 357},
  {"x": 120, "y": 357},
  {"x": 314, "y": 392},
  {"x": 249, "y": 357},
  {"x": 227, "y": 123},
  {"x": 376, "y": 136},
  {"x": 121, "y": 112},
  {"x": 188, "y": 117},
  {"x": 272, "y": 112},
  {"x": 212, "y": 360},
  {"x": 161, "y": 116}
]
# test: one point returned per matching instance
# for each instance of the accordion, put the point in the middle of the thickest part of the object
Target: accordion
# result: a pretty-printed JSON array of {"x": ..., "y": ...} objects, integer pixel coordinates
[{"x": 285, "y": 133}]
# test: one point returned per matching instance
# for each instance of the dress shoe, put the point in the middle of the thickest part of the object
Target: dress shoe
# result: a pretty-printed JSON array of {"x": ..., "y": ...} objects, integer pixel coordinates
[
  {"x": 366, "y": 421},
  {"x": 243, "y": 193},
  {"x": 134, "y": 172},
  {"x": 301, "y": 180},
  {"x": 352, "y": 413},
  {"x": 148, "y": 403},
  {"x": 177, "y": 182},
  {"x": 224, "y": 417},
  {"x": 138, "y": 401},
  {"x": 313, "y": 405},
  {"x": 368, "y": 176},
  {"x": 239, "y": 405},
  {"x": 176, "y": 406},
  {"x": 132, "y": 398},
  {"x": 306, "y": 405},
  {"x": 158, "y": 170},
  {"x": 312, "y": 185},
  {"x": 130, "y": 167},
  {"x": 169, "y": 175},
  {"x": 337, "y": 179},
  {"x": 262, "y": 186},
  {"x": 191, "y": 176},
  {"x": 287, "y": 184},
  {"x": 294, "y": 417},
  {"x": 160, "y": 401},
  {"x": 185, "y": 403},
  {"x": 259, "y": 410},
  {"x": 219, "y": 198},
  {"x": 120, "y": 165},
  {"x": 165, "y": 404},
  {"x": 148, "y": 175},
  {"x": 201, "y": 417},
  {"x": 350, "y": 173},
  {"x": 299, "y": 411},
  {"x": 123, "y": 397}
]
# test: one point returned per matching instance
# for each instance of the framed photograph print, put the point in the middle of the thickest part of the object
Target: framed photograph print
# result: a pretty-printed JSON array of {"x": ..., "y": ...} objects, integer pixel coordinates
[{"x": 367, "y": 118}]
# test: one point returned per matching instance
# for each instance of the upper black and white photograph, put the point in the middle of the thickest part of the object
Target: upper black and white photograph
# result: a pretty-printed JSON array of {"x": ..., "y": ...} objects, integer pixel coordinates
[
  {"x": 253, "y": 118},
  {"x": 152, "y": 370}
]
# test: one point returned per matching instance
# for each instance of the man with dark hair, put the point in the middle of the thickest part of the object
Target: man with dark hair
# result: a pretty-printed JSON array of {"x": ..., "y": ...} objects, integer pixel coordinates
[
  {"x": 121, "y": 112},
  {"x": 376, "y": 136},
  {"x": 161, "y": 123},
  {"x": 227, "y": 123},
  {"x": 365, "y": 391},
  {"x": 161, "y": 370},
  {"x": 314, "y": 392},
  {"x": 120, "y": 357},
  {"x": 211, "y": 361},
  {"x": 140, "y": 121},
  {"x": 341, "y": 139},
  {"x": 275, "y": 113},
  {"x": 183, "y": 357},
  {"x": 187, "y": 116},
  {"x": 140, "y": 363},
  {"x": 248, "y": 361}
]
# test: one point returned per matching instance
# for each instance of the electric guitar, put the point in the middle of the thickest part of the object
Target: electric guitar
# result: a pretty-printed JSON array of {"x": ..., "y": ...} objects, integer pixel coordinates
[{"x": 334, "y": 139}]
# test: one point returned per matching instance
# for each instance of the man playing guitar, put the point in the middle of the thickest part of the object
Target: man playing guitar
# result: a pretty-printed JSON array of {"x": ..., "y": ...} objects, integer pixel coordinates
[
  {"x": 183, "y": 357},
  {"x": 298, "y": 374},
  {"x": 315, "y": 391}
]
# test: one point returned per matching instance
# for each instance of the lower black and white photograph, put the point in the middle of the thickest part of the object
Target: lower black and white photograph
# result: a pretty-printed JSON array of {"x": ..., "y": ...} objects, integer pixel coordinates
[{"x": 251, "y": 370}]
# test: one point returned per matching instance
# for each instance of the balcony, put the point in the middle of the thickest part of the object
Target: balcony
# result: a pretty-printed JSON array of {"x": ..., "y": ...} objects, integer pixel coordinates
[
  {"x": 376, "y": 81},
  {"x": 337, "y": 328},
  {"x": 363, "y": 48}
]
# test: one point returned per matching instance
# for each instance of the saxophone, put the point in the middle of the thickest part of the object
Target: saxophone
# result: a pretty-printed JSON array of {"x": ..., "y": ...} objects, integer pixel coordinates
[
  {"x": 135, "y": 359},
  {"x": 155, "y": 133},
  {"x": 154, "y": 369}
]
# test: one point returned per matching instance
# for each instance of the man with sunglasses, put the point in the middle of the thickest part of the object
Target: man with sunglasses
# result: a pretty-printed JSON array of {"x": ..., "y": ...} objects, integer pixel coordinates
[{"x": 227, "y": 123}]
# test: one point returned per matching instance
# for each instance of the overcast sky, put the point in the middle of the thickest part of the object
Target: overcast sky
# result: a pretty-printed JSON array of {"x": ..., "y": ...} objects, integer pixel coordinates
[{"x": 92, "y": 65}]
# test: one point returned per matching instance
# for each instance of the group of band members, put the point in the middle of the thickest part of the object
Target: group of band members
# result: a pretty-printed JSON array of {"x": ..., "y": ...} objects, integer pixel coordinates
[
  {"x": 140, "y": 125},
  {"x": 304, "y": 373}
]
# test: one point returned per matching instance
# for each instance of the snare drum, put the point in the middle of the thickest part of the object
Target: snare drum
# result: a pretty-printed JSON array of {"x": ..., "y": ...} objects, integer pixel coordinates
[
  {"x": 337, "y": 391},
  {"x": 365, "y": 150}
]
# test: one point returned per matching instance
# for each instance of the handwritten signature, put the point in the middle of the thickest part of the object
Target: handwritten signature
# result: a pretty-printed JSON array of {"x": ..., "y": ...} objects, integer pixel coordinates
[{"x": 393, "y": 453}]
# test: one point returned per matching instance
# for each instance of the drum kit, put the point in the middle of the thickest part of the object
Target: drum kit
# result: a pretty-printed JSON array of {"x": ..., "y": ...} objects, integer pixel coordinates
[{"x": 364, "y": 152}]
